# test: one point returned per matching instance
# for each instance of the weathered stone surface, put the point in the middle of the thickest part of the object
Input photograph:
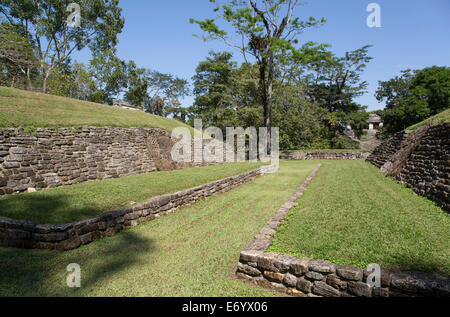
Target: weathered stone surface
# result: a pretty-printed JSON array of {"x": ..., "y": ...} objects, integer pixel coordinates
[
  {"x": 290, "y": 280},
  {"x": 351, "y": 273},
  {"x": 304, "y": 285},
  {"x": 244, "y": 268},
  {"x": 250, "y": 256},
  {"x": 323, "y": 289},
  {"x": 323, "y": 155},
  {"x": 282, "y": 262},
  {"x": 359, "y": 289},
  {"x": 322, "y": 266},
  {"x": 71, "y": 156},
  {"x": 299, "y": 267},
  {"x": 266, "y": 262},
  {"x": 380, "y": 292},
  {"x": 314, "y": 276},
  {"x": 274, "y": 277},
  {"x": 334, "y": 281},
  {"x": 423, "y": 284},
  {"x": 296, "y": 293}
]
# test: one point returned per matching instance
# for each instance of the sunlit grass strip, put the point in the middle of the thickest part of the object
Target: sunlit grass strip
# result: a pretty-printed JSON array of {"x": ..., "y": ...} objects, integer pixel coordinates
[
  {"x": 87, "y": 200},
  {"x": 352, "y": 215},
  {"x": 31, "y": 110},
  {"x": 187, "y": 253}
]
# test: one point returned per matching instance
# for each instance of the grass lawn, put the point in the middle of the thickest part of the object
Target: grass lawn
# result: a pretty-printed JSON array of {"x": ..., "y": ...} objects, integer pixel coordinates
[
  {"x": 188, "y": 253},
  {"x": 87, "y": 200},
  {"x": 30, "y": 110},
  {"x": 442, "y": 117},
  {"x": 351, "y": 214}
]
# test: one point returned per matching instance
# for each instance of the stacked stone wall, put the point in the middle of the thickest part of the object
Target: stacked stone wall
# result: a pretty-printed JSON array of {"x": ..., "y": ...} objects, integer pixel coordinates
[
  {"x": 427, "y": 169},
  {"x": 387, "y": 149},
  {"x": 27, "y": 234},
  {"x": 51, "y": 158},
  {"x": 300, "y": 155}
]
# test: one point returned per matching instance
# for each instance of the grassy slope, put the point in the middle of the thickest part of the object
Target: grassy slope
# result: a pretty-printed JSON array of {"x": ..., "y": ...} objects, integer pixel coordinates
[
  {"x": 30, "y": 110},
  {"x": 442, "y": 117},
  {"x": 86, "y": 200},
  {"x": 351, "y": 214},
  {"x": 188, "y": 253}
]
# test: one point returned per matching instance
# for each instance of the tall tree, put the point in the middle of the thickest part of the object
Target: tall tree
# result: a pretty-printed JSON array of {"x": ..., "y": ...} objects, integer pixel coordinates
[
  {"x": 45, "y": 22},
  {"x": 17, "y": 54},
  {"x": 414, "y": 96},
  {"x": 335, "y": 81},
  {"x": 164, "y": 93},
  {"x": 110, "y": 75},
  {"x": 214, "y": 84},
  {"x": 264, "y": 29}
]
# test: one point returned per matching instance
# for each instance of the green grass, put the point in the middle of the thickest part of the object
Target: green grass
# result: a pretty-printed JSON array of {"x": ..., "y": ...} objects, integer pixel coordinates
[
  {"x": 351, "y": 214},
  {"x": 86, "y": 200},
  {"x": 31, "y": 110},
  {"x": 442, "y": 117},
  {"x": 188, "y": 253}
]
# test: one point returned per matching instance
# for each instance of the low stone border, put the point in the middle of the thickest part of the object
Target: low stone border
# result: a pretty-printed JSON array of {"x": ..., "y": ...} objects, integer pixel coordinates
[
  {"x": 312, "y": 278},
  {"x": 324, "y": 155},
  {"x": 27, "y": 234}
]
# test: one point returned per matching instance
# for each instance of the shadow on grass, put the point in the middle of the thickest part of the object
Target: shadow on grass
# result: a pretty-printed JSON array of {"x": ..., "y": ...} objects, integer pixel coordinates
[
  {"x": 43, "y": 273},
  {"x": 45, "y": 208}
]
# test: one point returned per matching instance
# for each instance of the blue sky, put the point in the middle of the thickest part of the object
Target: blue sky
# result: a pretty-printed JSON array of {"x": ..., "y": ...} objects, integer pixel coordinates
[{"x": 413, "y": 34}]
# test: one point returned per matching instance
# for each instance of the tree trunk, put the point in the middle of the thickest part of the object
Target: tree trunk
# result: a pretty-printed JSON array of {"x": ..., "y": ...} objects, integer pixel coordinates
[
  {"x": 44, "y": 83},
  {"x": 268, "y": 112},
  {"x": 266, "y": 66},
  {"x": 29, "y": 85}
]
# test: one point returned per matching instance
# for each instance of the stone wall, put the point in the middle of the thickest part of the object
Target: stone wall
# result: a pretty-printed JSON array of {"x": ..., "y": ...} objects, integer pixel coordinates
[
  {"x": 300, "y": 155},
  {"x": 51, "y": 158},
  {"x": 312, "y": 278},
  {"x": 419, "y": 160},
  {"x": 427, "y": 169},
  {"x": 27, "y": 234},
  {"x": 388, "y": 148}
]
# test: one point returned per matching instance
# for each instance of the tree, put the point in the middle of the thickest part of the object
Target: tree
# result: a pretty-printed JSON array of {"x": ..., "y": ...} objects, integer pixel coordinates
[
  {"x": 335, "y": 81},
  {"x": 164, "y": 92},
  {"x": 214, "y": 86},
  {"x": 414, "y": 96},
  {"x": 265, "y": 29},
  {"x": 110, "y": 75},
  {"x": 433, "y": 84},
  {"x": 45, "y": 22},
  {"x": 73, "y": 81},
  {"x": 137, "y": 83},
  {"x": 16, "y": 54}
]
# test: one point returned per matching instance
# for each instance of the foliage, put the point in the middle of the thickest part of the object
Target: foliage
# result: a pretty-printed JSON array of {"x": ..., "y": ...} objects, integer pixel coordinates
[
  {"x": 334, "y": 82},
  {"x": 215, "y": 84},
  {"x": 45, "y": 21},
  {"x": 18, "y": 62},
  {"x": 266, "y": 30},
  {"x": 414, "y": 96}
]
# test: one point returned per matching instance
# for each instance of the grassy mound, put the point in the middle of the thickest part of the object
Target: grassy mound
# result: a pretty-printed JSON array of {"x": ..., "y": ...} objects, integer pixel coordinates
[
  {"x": 442, "y": 117},
  {"x": 30, "y": 110}
]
